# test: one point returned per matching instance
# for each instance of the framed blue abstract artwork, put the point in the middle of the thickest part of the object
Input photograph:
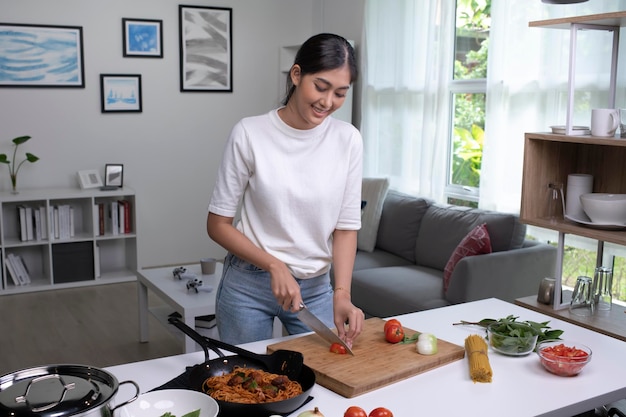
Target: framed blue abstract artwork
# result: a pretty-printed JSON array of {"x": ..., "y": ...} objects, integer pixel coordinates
[
  {"x": 142, "y": 38},
  {"x": 41, "y": 56},
  {"x": 120, "y": 92},
  {"x": 206, "y": 49}
]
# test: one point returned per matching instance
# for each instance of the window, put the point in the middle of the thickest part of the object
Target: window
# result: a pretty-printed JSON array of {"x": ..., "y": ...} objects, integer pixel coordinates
[{"x": 468, "y": 100}]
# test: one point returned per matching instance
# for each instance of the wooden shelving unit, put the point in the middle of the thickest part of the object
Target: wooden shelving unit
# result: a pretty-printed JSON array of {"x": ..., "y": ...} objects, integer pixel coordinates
[
  {"x": 113, "y": 256},
  {"x": 603, "y": 22},
  {"x": 550, "y": 158}
]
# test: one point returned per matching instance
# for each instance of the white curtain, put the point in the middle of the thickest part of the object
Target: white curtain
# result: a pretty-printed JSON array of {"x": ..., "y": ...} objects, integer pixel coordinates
[
  {"x": 407, "y": 43},
  {"x": 405, "y": 99}
]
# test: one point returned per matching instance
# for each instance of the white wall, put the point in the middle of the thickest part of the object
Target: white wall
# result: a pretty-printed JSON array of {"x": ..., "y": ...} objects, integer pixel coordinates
[{"x": 170, "y": 151}]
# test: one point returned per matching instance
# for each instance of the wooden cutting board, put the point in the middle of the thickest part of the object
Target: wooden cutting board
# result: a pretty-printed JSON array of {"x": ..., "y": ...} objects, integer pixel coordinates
[{"x": 375, "y": 363}]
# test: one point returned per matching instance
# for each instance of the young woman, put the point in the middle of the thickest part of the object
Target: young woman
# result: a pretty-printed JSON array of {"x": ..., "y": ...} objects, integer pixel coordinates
[{"x": 297, "y": 173}]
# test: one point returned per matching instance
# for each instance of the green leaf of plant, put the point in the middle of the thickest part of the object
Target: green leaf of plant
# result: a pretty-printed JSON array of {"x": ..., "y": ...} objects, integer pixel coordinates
[
  {"x": 21, "y": 139},
  {"x": 31, "y": 158}
]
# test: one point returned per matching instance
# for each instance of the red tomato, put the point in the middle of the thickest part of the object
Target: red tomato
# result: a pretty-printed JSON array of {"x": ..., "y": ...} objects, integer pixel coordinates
[
  {"x": 355, "y": 411},
  {"x": 338, "y": 348},
  {"x": 391, "y": 322},
  {"x": 394, "y": 333},
  {"x": 380, "y": 412}
]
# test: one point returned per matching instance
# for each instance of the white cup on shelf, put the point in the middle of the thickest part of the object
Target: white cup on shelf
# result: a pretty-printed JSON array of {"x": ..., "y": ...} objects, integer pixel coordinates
[
  {"x": 604, "y": 122},
  {"x": 577, "y": 184}
]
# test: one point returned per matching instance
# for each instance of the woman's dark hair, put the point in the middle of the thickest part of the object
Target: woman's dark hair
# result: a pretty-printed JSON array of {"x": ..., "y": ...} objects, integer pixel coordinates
[{"x": 323, "y": 52}]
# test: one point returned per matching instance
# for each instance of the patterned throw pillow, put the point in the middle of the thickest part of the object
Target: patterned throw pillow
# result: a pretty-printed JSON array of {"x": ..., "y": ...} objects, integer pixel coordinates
[{"x": 476, "y": 242}]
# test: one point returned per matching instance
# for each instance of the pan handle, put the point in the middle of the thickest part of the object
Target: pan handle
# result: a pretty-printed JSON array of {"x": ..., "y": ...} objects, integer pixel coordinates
[
  {"x": 214, "y": 344},
  {"x": 204, "y": 342}
]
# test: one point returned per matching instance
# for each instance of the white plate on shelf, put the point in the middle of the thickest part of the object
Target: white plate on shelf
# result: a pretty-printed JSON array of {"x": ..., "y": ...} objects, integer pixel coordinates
[
  {"x": 606, "y": 226},
  {"x": 576, "y": 130}
]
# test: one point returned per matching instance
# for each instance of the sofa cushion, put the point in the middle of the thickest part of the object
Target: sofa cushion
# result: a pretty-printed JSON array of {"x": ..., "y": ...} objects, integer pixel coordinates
[
  {"x": 377, "y": 259},
  {"x": 476, "y": 242},
  {"x": 441, "y": 230},
  {"x": 373, "y": 192},
  {"x": 443, "y": 227},
  {"x": 384, "y": 292},
  {"x": 505, "y": 230},
  {"x": 400, "y": 223}
]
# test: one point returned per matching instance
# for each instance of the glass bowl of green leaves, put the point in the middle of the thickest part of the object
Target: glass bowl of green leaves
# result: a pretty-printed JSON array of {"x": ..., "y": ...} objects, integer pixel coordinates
[{"x": 512, "y": 338}]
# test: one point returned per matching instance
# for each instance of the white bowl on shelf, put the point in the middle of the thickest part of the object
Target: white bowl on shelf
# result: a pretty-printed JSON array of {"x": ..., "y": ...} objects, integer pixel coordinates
[{"x": 605, "y": 208}]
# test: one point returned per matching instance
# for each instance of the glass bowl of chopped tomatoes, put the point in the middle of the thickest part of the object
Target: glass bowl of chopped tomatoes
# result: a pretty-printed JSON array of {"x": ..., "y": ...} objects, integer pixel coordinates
[{"x": 563, "y": 357}]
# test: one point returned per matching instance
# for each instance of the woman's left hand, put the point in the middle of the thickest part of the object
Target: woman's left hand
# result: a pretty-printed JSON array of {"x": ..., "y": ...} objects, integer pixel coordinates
[{"x": 348, "y": 319}]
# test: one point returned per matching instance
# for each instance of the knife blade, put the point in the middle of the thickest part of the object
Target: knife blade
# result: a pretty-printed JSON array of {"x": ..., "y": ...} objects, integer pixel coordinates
[{"x": 308, "y": 318}]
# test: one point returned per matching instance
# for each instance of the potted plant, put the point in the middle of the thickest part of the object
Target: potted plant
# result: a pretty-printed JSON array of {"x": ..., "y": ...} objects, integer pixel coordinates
[{"x": 13, "y": 169}]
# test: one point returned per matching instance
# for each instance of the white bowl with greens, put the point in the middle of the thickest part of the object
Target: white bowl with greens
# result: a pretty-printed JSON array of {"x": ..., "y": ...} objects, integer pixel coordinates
[
  {"x": 176, "y": 402},
  {"x": 512, "y": 338}
]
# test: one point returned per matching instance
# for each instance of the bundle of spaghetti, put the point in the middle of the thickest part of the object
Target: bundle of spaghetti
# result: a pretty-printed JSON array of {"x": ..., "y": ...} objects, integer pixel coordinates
[
  {"x": 476, "y": 349},
  {"x": 218, "y": 387}
]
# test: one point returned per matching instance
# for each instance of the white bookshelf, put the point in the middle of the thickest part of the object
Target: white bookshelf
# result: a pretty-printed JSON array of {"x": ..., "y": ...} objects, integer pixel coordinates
[{"x": 85, "y": 258}]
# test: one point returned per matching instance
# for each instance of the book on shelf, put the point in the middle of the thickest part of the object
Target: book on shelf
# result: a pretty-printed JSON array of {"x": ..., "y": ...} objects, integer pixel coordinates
[
  {"x": 121, "y": 216},
  {"x": 23, "y": 269},
  {"x": 12, "y": 272},
  {"x": 29, "y": 223},
  {"x": 114, "y": 218},
  {"x": 43, "y": 215},
  {"x": 37, "y": 221},
  {"x": 63, "y": 221},
  {"x": 53, "y": 226},
  {"x": 20, "y": 268},
  {"x": 125, "y": 207},
  {"x": 21, "y": 215},
  {"x": 71, "y": 221},
  {"x": 101, "y": 216}
]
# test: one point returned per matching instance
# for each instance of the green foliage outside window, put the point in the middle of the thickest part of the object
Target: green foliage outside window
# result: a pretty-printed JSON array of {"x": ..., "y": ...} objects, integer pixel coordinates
[{"x": 473, "y": 22}]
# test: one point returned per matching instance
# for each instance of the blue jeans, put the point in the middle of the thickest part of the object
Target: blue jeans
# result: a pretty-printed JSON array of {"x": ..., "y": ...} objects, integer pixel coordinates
[{"x": 246, "y": 307}]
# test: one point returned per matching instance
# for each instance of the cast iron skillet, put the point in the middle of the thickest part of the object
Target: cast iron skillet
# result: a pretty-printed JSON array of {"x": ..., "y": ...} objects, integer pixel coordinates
[{"x": 225, "y": 364}]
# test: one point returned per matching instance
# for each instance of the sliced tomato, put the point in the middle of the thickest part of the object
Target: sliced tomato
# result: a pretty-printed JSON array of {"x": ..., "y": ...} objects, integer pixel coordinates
[
  {"x": 380, "y": 412},
  {"x": 338, "y": 348},
  {"x": 394, "y": 333},
  {"x": 355, "y": 411},
  {"x": 570, "y": 361},
  {"x": 391, "y": 322}
]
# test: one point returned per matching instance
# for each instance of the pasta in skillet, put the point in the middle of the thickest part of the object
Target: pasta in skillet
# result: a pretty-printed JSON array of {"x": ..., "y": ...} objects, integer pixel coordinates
[{"x": 251, "y": 386}]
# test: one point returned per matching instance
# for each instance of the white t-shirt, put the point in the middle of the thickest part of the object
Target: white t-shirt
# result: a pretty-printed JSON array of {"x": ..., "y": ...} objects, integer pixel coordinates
[{"x": 298, "y": 186}]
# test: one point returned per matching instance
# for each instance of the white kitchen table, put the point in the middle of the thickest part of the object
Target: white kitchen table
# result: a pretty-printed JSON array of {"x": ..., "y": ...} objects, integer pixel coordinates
[
  {"x": 187, "y": 302},
  {"x": 520, "y": 387}
]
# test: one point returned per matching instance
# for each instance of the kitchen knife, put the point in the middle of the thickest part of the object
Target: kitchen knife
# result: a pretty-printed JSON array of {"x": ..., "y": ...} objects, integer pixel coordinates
[{"x": 320, "y": 328}]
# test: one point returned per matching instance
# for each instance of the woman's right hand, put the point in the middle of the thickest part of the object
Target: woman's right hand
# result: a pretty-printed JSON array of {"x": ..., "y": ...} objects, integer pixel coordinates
[{"x": 284, "y": 287}]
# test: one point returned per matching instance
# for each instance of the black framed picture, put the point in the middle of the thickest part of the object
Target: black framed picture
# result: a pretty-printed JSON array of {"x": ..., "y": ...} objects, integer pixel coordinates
[
  {"x": 120, "y": 93},
  {"x": 41, "y": 56},
  {"x": 114, "y": 175},
  {"x": 206, "y": 52},
  {"x": 143, "y": 38}
]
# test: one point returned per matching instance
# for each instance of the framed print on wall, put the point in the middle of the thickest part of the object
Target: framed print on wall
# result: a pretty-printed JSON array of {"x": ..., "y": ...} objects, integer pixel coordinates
[
  {"x": 41, "y": 56},
  {"x": 120, "y": 92},
  {"x": 206, "y": 52},
  {"x": 143, "y": 38},
  {"x": 114, "y": 175}
]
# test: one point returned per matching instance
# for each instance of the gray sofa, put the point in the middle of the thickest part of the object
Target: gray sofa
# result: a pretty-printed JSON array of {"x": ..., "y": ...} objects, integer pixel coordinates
[{"x": 415, "y": 239}]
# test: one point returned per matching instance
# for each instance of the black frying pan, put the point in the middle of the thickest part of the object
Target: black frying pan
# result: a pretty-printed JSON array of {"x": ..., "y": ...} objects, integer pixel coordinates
[{"x": 226, "y": 364}]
